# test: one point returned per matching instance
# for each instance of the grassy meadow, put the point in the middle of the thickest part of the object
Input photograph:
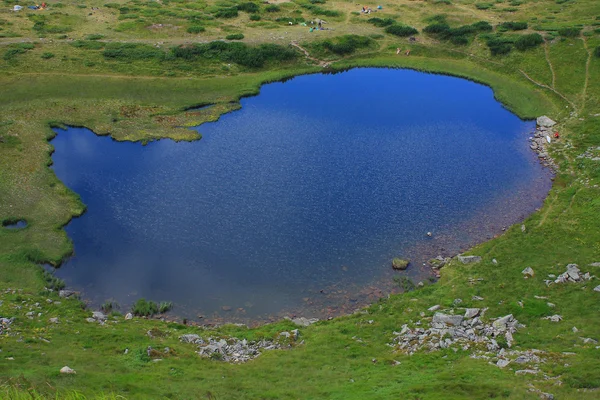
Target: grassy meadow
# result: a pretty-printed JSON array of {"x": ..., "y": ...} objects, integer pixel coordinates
[{"x": 135, "y": 69}]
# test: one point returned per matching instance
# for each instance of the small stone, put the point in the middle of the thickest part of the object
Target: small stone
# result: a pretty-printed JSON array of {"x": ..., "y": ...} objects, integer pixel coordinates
[
  {"x": 99, "y": 315},
  {"x": 90, "y": 320},
  {"x": 284, "y": 334},
  {"x": 129, "y": 316},
  {"x": 494, "y": 261},
  {"x": 526, "y": 371},
  {"x": 226, "y": 308},
  {"x": 575, "y": 330},
  {"x": 434, "y": 308},
  {"x": 66, "y": 293},
  {"x": 597, "y": 288},
  {"x": 189, "y": 338},
  {"x": 502, "y": 363},
  {"x": 454, "y": 320},
  {"x": 67, "y": 370},
  {"x": 477, "y": 298},
  {"x": 54, "y": 320}
]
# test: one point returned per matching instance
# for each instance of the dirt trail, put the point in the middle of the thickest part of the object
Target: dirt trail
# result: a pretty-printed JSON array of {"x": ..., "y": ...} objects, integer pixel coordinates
[
  {"x": 550, "y": 88},
  {"x": 323, "y": 64},
  {"x": 587, "y": 73},
  {"x": 549, "y": 64}
]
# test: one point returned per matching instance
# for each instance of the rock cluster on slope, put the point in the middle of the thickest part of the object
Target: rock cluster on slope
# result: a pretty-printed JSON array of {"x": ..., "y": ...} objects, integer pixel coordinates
[{"x": 234, "y": 350}]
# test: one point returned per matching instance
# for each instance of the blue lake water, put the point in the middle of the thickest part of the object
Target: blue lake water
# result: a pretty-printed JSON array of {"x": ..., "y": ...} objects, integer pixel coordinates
[{"x": 296, "y": 203}]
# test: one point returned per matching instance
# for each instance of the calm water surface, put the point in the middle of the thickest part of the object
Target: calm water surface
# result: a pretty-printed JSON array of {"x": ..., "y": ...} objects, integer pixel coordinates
[{"x": 296, "y": 203}]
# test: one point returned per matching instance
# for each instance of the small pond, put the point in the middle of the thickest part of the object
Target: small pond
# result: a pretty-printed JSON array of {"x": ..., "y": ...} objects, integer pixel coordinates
[
  {"x": 15, "y": 224},
  {"x": 296, "y": 204}
]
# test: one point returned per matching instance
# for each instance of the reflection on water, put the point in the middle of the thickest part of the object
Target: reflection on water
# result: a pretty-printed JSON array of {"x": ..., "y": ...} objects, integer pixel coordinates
[{"x": 297, "y": 202}]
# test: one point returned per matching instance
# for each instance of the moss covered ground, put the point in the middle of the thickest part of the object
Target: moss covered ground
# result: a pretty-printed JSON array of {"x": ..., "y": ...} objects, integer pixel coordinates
[{"x": 132, "y": 69}]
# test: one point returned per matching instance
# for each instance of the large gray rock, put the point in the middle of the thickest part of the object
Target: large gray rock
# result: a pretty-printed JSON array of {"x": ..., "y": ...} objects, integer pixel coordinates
[
  {"x": 597, "y": 288},
  {"x": 471, "y": 312},
  {"x": 99, "y": 315},
  {"x": 67, "y": 293},
  {"x": 452, "y": 320},
  {"x": 502, "y": 363},
  {"x": 504, "y": 322},
  {"x": 469, "y": 259},
  {"x": 545, "y": 122}
]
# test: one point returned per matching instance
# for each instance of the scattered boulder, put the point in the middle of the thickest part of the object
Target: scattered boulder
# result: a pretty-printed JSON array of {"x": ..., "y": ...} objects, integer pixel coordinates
[
  {"x": 554, "y": 318},
  {"x": 526, "y": 372},
  {"x": 434, "y": 308},
  {"x": 528, "y": 273},
  {"x": 597, "y": 288},
  {"x": 129, "y": 316},
  {"x": 99, "y": 316},
  {"x": 438, "y": 262},
  {"x": 573, "y": 274},
  {"x": 505, "y": 323},
  {"x": 67, "y": 370},
  {"x": 445, "y": 319},
  {"x": 469, "y": 259},
  {"x": 54, "y": 320},
  {"x": 595, "y": 264},
  {"x": 472, "y": 312},
  {"x": 545, "y": 122},
  {"x": 189, "y": 338},
  {"x": 400, "y": 264},
  {"x": 502, "y": 363},
  {"x": 477, "y": 298},
  {"x": 232, "y": 350}
]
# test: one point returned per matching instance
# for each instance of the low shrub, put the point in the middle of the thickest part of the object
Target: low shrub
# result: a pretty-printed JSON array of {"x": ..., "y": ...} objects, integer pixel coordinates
[
  {"x": 569, "y": 32},
  {"x": 483, "y": 6},
  {"x": 235, "y": 36},
  {"x": 236, "y": 52},
  {"x": 499, "y": 45},
  {"x": 272, "y": 8},
  {"x": 132, "y": 51},
  {"x": 249, "y": 7},
  {"x": 94, "y": 36},
  {"x": 483, "y": 26},
  {"x": 225, "y": 13},
  {"x": 52, "y": 282},
  {"x": 381, "y": 22},
  {"x": 47, "y": 55},
  {"x": 144, "y": 308},
  {"x": 459, "y": 40},
  {"x": 347, "y": 44},
  {"x": 109, "y": 306},
  {"x": 401, "y": 30},
  {"x": 530, "y": 41},
  {"x": 597, "y": 52},
  {"x": 254, "y": 17},
  {"x": 437, "y": 28},
  {"x": 513, "y": 26},
  {"x": 195, "y": 29},
  {"x": 164, "y": 306},
  {"x": 87, "y": 44}
]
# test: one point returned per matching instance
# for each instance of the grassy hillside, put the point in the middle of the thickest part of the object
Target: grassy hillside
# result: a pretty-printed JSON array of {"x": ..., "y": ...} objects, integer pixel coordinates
[{"x": 132, "y": 69}]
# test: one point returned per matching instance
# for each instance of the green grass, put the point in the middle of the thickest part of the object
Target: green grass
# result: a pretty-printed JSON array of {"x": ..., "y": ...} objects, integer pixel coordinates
[{"x": 140, "y": 93}]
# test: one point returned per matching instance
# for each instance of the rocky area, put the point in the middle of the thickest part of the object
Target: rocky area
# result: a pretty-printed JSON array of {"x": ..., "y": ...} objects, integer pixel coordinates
[
  {"x": 592, "y": 153},
  {"x": 542, "y": 137},
  {"x": 5, "y": 325},
  {"x": 572, "y": 274},
  {"x": 234, "y": 350},
  {"x": 455, "y": 331}
]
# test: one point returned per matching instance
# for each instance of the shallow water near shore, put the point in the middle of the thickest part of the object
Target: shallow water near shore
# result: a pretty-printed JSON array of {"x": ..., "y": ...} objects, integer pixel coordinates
[{"x": 296, "y": 204}]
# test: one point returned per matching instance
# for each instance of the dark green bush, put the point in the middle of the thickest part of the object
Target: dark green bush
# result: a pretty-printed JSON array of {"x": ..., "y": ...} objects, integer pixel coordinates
[
  {"x": 47, "y": 55},
  {"x": 87, "y": 44},
  {"x": 401, "y": 30},
  {"x": 231, "y": 12},
  {"x": 236, "y": 52},
  {"x": 317, "y": 1},
  {"x": 235, "y": 36},
  {"x": 597, "y": 51},
  {"x": 483, "y": 6},
  {"x": 347, "y": 44},
  {"x": 272, "y": 8},
  {"x": 499, "y": 45},
  {"x": 459, "y": 40},
  {"x": 513, "y": 26},
  {"x": 483, "y": 26},
  {"x": 94, "y": 36},
  {"x": 112, "y": 5},
  {"x": 144, "y": 308},
  {"x": 529, "y": 41},
  {"x": 569, "y": 32},
  {"x": 255, "y": 17},
  {"x": 381, "y": 22},
  {"x": 249, "y": 7},
  {"x": 10, "y": 54},
  {"x": 437, "y": 28},
  {"x": 132, "y": 51},
  {"x": 195, "y": 29}
]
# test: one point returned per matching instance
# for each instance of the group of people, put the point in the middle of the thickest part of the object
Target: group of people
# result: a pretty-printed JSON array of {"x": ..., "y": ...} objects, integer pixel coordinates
[
  {"x": 398, "y": 51},
  {"x": 367, "y": 10}
]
